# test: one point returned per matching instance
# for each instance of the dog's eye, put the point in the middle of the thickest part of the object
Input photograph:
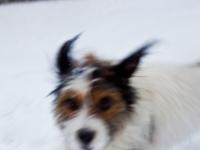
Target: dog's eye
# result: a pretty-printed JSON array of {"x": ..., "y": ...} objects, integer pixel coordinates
[
  {"x": 105, "y": 103},
  {"x": 72, "y": 104}
]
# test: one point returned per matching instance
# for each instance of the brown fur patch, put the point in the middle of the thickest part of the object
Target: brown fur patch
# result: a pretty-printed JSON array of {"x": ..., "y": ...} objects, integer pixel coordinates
[
  {"x": 95, "y": 97},
  {"x": 115, "y": 116},
  {"x": 117, "y": 104},
  {"x": 62, "y": 111},
  {"x": 92, "y": 60}
]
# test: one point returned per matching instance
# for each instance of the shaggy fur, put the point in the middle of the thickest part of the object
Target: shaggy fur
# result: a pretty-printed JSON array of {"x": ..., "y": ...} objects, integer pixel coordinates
[
  {"x": 163, "y": 110},
  {"x": 167, "y": 111}
]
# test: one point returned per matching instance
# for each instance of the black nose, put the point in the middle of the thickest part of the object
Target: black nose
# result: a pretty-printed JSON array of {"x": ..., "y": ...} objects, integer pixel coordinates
[{"x": 85, "y": 135}]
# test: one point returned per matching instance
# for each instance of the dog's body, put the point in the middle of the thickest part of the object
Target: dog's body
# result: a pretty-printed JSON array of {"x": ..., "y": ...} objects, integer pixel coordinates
[
  {"x": 168, "y": 110},
  {"x": 100, "y": 106}
]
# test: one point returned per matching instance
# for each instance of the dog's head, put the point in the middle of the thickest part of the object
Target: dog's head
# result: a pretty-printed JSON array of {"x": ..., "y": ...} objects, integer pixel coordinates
[{"x": 94, "y": 99}]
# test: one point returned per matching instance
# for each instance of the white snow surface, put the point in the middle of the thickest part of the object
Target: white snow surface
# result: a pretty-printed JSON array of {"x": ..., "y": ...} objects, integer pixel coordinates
[{"x": 31, "y": 33}]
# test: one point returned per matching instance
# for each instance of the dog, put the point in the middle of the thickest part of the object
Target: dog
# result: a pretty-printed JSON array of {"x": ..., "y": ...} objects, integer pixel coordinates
[{"x": 105, "y": 105}]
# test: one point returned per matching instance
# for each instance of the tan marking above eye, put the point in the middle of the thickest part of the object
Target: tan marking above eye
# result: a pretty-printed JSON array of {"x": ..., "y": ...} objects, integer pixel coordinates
[
  {"x": 68, "y": 103},
  {"x": 71, "y": 101},
  {"x": 116, "y": 103}
]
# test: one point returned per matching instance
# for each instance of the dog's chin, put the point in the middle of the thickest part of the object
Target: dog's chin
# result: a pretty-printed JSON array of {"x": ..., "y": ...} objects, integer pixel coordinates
[
  {"x": 87, "y": 148},
  {"x": 77, "y": 146},
  {"x": 92, "y": 148}
]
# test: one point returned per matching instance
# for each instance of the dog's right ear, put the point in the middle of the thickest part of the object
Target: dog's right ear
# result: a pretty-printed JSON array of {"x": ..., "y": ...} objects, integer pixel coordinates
[
  {"x": 127, "y": 67},
  {"x": 64, "y": 61}
]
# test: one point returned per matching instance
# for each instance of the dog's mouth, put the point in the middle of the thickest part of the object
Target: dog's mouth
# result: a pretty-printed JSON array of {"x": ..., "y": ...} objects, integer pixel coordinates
[{"x": 86, "y": 148}]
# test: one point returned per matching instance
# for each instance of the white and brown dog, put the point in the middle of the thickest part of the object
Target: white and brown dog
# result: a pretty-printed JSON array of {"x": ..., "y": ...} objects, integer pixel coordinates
[{"x": 104, "y": 106}]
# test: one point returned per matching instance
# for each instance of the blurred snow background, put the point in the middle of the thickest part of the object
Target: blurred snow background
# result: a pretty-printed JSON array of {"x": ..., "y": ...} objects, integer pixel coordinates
[{"x": 31, "y": 33}]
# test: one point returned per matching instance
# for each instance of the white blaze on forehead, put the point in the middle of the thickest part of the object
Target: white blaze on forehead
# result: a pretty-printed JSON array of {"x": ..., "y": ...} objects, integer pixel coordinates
[{"x": 80, "y": 82}]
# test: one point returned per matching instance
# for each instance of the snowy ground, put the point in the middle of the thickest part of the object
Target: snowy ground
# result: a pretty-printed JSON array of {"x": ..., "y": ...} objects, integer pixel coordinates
[{"x": 31, "y": 33}]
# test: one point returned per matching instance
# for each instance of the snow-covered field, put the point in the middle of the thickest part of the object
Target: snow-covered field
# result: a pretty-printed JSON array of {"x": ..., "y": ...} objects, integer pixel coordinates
[{"x": 31, "y": 33}]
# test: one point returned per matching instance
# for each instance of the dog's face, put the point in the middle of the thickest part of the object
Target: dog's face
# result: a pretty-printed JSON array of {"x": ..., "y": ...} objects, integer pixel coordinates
[{"x": 93, "y": 99}]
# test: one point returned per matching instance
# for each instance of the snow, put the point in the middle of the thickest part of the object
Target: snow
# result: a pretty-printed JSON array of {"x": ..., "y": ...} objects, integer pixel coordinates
[{"x": 31, "y": 33}]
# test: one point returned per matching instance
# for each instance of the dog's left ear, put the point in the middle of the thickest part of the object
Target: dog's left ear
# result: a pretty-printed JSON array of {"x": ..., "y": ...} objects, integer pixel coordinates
[
  {"x": 129, "y": 65},
  {"x": 64, "y": 61}
]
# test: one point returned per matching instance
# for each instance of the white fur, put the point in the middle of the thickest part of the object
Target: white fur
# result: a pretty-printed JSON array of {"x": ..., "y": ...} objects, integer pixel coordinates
[
  {"x": 84, "y": 120},
  {"x": 171, "y": 97},
  {"x": 81, "y": 82},
  {"x": 169, "y": 100}
]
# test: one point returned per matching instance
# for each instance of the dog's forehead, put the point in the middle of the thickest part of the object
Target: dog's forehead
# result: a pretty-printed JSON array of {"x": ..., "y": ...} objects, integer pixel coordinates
[
  {"x": 88, "y": 72},
  {"x": 80, "y": 80}
]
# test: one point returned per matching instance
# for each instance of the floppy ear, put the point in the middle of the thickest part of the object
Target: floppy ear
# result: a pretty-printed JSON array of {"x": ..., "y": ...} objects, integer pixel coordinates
[
  {"x": 64, "y": 61},
  {"x": 130, "y": 64}
]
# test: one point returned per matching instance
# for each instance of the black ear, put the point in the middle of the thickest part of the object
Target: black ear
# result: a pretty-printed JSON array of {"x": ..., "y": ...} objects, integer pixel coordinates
[
  {"x": 129, "y": 65},
  {"x": 64, "y": 61}
]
